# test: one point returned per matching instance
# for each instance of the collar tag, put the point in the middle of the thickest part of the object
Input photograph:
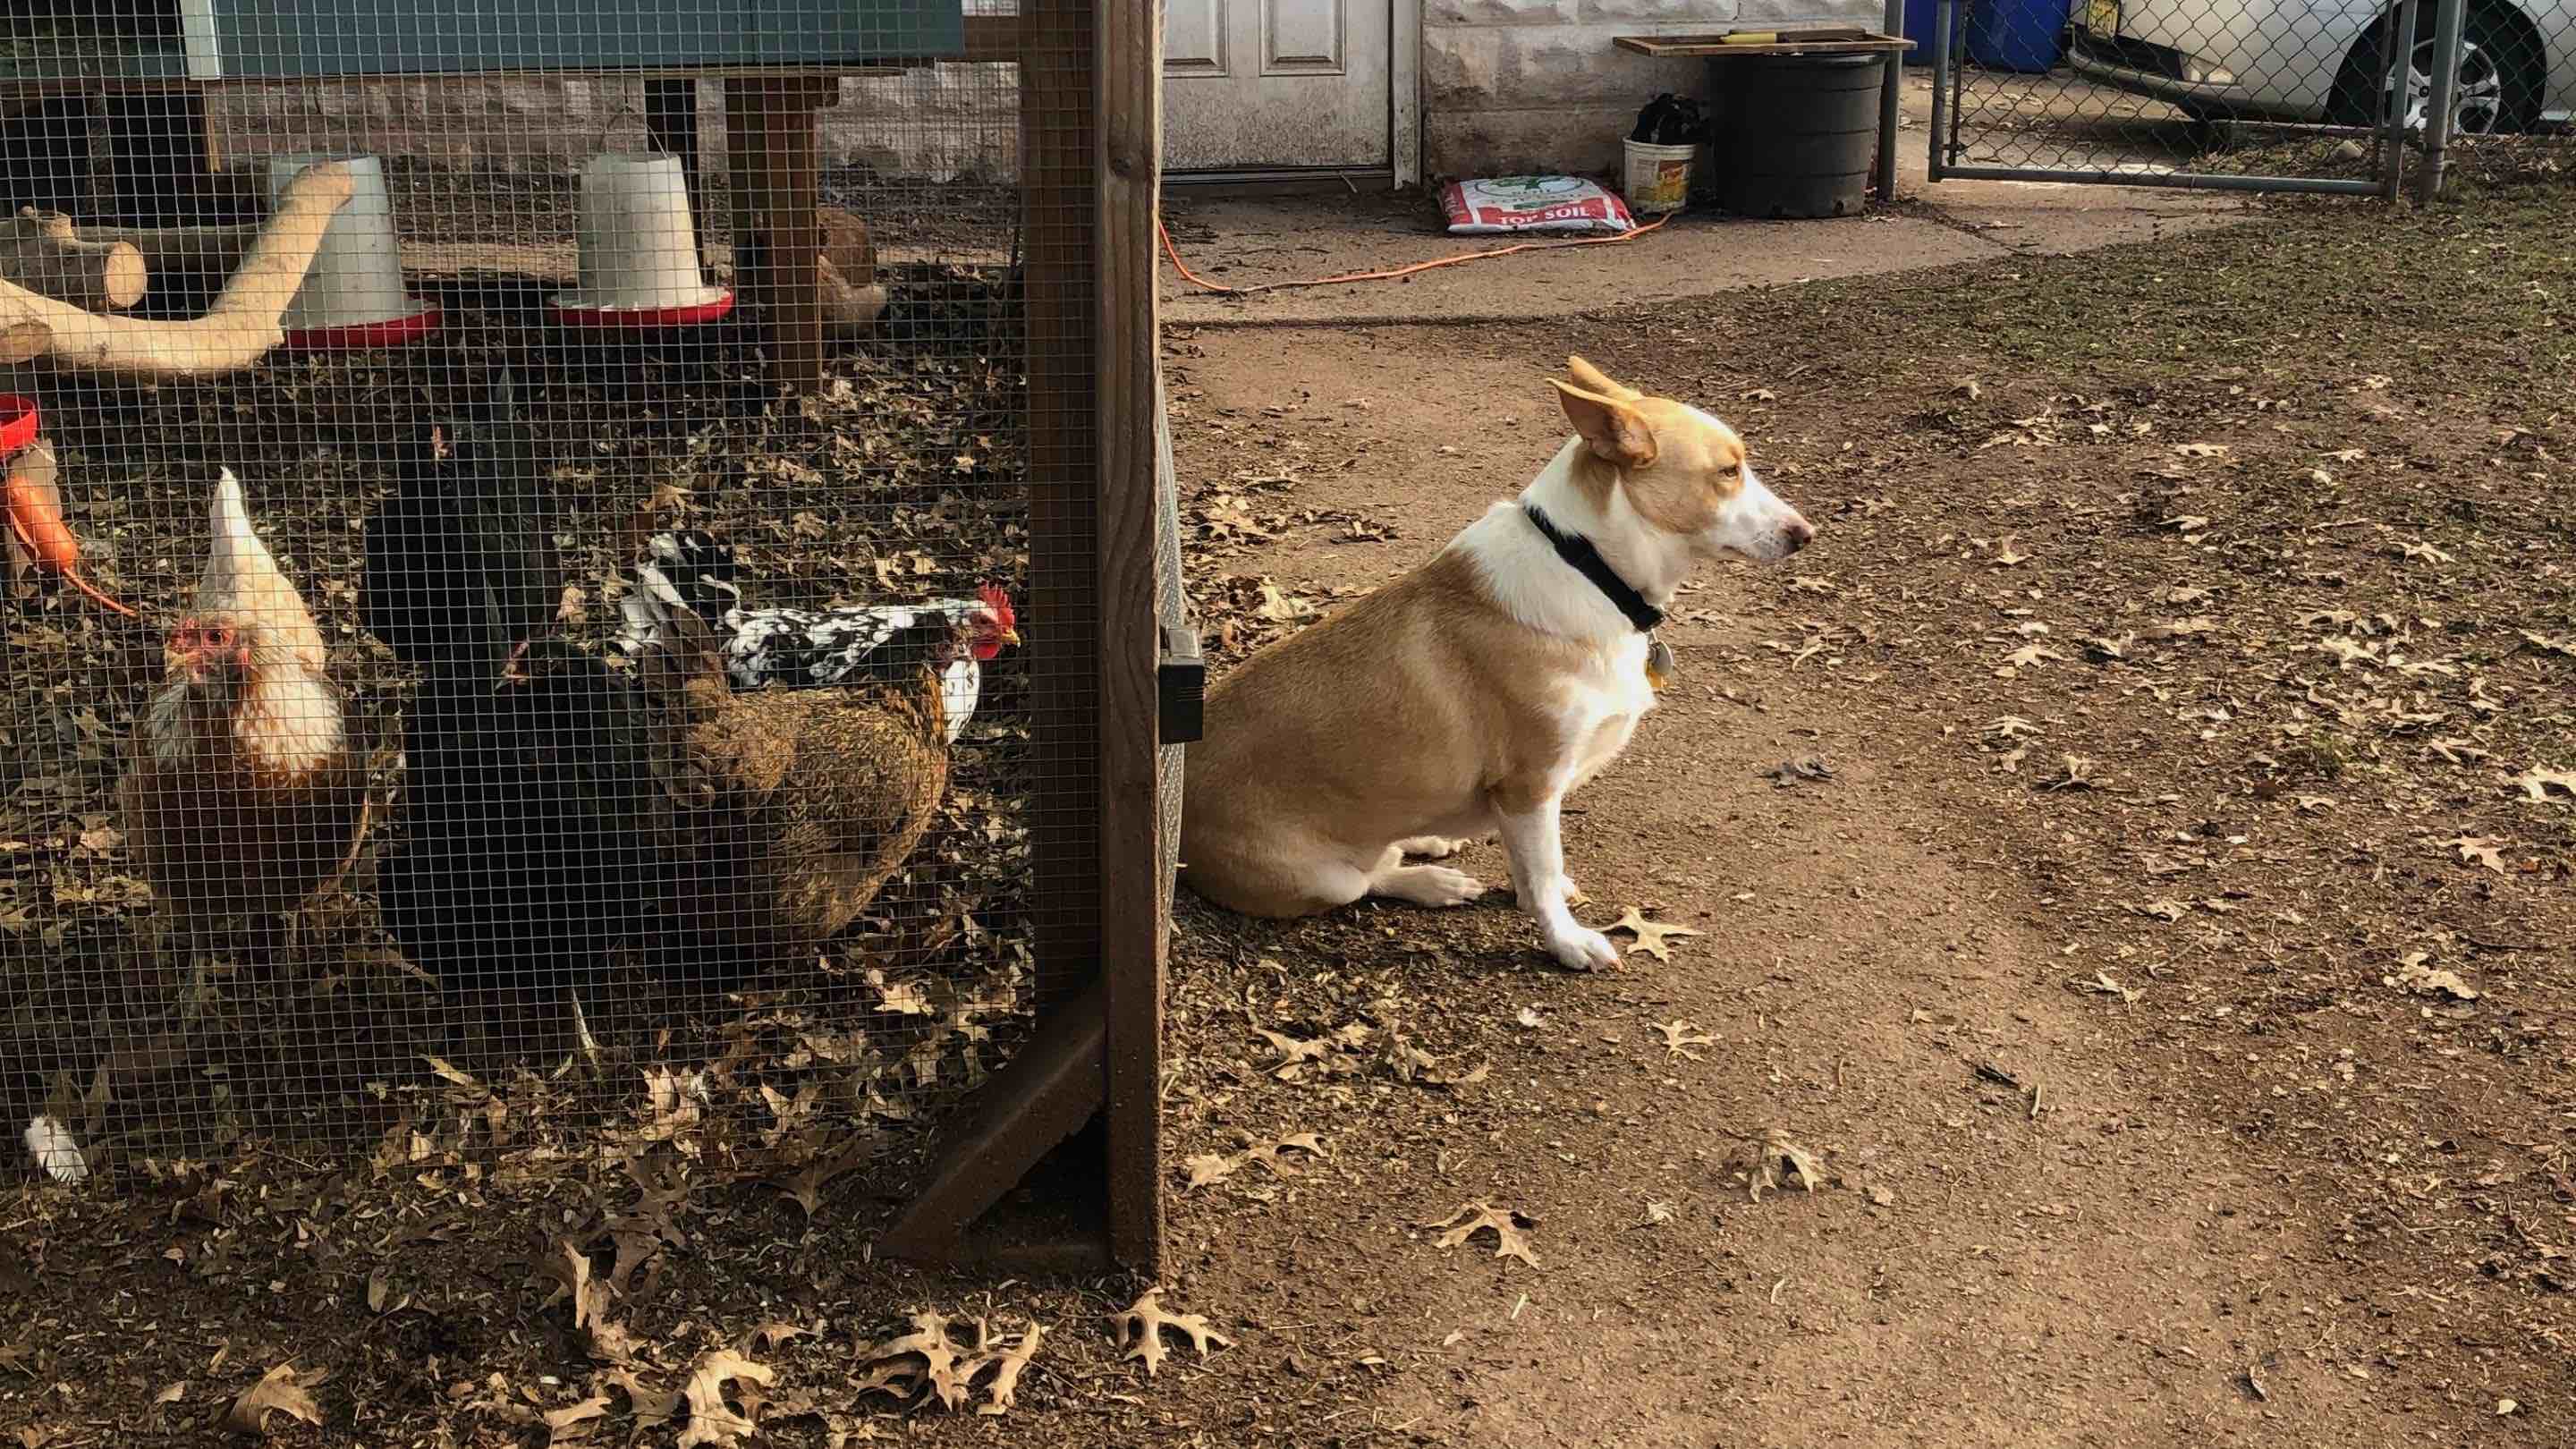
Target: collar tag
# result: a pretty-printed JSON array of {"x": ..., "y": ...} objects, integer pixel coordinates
[{"x": 1659, "y": 664}]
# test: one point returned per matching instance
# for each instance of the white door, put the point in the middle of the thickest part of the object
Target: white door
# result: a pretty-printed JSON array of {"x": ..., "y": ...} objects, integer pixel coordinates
[{"x": 1262, "y": 83}]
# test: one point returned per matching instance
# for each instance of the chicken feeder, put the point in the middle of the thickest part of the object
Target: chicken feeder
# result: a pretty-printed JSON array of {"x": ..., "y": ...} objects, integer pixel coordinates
[
  {"x": 639, "y": 249},
  {"x": 353, "y": 294}
]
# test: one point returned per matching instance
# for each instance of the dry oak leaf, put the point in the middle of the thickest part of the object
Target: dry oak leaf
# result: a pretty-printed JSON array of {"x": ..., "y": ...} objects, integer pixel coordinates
[
  {"x": 608, "y": 1341},
  {"x": 1206, "y": 1169},
  {"x": 2078, "y": 774},
  {"x": 1650, "y": 935},
  {"x": 651, "y": 1408},
  {"x": 275, "y": 1393},
  {"x": 1680, "y": 1036},
  {"x": 2201, "y": 450},
  {"x": 2479, "y": 850},
  {"x": 1293, "y": 1052},
  {"x": 2008, "y": 552},
  {"x": 1140, "y": 1331},
  {"x": 2030, "y": 656},
  {"x": 2539, "y": 780},
  {"x": 573, "y": 1422},
  {"x": 711, "y": 1419},
  {"x": 1510, "y": 1228},
  {"x": 1765, "y": 1155},
  {"x": 941, "y": 1369},
  {"x": 768, "y": 1336},
  {"x": 1214, "y": 1167},
  {"x": 1003, "y": 1393},
  {"x": 2415, "y": 976}
]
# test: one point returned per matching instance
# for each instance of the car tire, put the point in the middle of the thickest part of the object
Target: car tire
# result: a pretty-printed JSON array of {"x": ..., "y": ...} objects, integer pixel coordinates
[{"x": 2486, "y": 34}]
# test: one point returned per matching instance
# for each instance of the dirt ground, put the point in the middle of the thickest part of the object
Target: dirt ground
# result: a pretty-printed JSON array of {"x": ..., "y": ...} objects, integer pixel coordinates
[{"x": 2162, "y": 956}]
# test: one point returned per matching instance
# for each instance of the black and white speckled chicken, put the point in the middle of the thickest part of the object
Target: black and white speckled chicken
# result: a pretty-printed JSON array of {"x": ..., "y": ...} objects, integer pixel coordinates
[{"x": 687, "y": 571}]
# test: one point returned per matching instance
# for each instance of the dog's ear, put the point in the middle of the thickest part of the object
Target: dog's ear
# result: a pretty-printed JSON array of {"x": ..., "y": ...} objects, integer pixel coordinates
[
  {"x": 1614, "y": 431},
  {"x": 1593, "y": 380}
]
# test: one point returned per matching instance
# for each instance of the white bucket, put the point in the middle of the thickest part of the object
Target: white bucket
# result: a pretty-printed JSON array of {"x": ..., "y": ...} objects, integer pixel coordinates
[
  {"x": 1658, "y": 177},
  {"x": 353, "y": 292},
  {"x": 639, "y": 245}
]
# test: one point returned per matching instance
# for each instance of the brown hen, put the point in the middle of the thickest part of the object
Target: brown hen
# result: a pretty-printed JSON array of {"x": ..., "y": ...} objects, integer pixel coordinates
[
  {"x": 243, "y": 793},
  {"x": 791, "y": 809}
]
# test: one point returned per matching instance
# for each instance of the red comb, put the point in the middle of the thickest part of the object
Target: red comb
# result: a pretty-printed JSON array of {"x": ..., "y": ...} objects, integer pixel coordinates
[{"x": 998, "y": 601}]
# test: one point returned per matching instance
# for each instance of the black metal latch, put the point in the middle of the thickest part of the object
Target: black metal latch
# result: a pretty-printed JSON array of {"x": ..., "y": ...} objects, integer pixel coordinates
[{"x": 1180, "y": 687}]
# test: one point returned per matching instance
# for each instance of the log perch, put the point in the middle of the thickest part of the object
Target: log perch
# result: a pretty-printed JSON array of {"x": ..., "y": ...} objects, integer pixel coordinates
[
  {"x": 197, "y": 251},
  {"x": 237, "y": 331},
  {"x": 41, "y": 252},
  {"x": 23, "y": 340}
]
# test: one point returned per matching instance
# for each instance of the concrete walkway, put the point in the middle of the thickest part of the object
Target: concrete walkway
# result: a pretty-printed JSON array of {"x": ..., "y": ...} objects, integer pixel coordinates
[{"x": 1238, "y": 240}]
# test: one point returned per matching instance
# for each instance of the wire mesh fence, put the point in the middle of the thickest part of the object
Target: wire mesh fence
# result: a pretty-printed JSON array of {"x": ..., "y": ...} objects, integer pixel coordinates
[
  {"x": 545, "y": 607},
  {"x": 2222, "y": 94}
]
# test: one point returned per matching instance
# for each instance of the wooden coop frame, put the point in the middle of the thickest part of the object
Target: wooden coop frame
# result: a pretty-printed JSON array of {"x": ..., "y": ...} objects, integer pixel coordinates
[{"x": 1116, "y": 692}]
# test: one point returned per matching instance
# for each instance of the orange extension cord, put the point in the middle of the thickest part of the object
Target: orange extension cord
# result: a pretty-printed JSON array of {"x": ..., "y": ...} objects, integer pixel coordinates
[{"x": 1386, "y": 276}]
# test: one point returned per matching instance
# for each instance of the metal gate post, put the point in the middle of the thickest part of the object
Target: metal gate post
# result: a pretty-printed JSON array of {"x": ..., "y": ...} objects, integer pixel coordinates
[
  {"x": 2448, "y": 16},
  {"x": 2399, "y": 50},
  {"x": 1890, "y": 105},
  {"x": 1942, "y": 66}
]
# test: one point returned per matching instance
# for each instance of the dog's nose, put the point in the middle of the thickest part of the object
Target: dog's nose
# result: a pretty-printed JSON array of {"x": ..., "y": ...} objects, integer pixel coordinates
[{"x": 1799, "y": 534}]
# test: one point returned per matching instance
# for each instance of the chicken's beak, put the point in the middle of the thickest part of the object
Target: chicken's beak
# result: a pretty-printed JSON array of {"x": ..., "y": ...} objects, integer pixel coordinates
[{"x": 1011, "y": 637}]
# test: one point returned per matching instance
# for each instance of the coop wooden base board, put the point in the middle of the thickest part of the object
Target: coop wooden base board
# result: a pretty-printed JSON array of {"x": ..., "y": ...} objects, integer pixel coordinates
[{"x": 1047, "y": 1093}]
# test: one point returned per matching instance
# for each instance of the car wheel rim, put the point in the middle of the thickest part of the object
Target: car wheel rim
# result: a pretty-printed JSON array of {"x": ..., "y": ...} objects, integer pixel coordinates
[{"x": 2477, "y": 101}]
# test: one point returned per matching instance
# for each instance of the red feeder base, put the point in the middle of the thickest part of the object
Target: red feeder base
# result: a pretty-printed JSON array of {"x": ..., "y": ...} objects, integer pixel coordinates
[
  {"x": 640, "y": 319},
  {"x": 360, "y": 336}
]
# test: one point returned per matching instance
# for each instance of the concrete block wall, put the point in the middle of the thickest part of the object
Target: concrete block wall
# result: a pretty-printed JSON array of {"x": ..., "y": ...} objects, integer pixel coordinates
[
  {"x": 940, "y": 123},
  {"x": 1516, "y": 86}
]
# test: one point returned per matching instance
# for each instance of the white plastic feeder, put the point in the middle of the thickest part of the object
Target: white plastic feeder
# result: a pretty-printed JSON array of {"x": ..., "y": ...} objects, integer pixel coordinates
[
  {"x": 353, "y": 293},
  {"x": 639, "y": 249}
]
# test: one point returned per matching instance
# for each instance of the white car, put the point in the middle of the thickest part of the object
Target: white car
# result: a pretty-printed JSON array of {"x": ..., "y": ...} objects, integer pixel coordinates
[{"x": 2318, "y": 60}]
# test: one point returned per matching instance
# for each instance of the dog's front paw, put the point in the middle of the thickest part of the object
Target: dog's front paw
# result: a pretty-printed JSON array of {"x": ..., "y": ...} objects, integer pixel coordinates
[
  {"x": 1584, "y": 950},
  {"x": 1428, "y": 885}
]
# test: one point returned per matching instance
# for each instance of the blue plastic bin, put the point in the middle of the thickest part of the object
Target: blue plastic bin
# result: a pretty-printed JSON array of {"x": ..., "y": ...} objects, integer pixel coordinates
[
  {"x": 1922, "y": 18},
  {"x": 2017, "y": 35}
]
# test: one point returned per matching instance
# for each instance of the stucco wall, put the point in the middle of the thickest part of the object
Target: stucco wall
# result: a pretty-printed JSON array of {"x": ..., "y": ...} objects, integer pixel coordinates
[{"x": 1511, "y": 86}]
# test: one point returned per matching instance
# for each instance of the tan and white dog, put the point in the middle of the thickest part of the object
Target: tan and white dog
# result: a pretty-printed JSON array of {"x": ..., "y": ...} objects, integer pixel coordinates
[{"x": 1472, "y": 695}]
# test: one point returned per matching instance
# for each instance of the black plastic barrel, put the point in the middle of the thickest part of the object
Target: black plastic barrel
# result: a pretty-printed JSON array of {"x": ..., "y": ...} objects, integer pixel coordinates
[{"x": 1796, "y": 133}]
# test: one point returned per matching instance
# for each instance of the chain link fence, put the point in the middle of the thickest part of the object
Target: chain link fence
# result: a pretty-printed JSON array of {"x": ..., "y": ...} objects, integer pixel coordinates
[
  {"x": 2269, "y": 95},
  {"x": 553, "y": 596}
]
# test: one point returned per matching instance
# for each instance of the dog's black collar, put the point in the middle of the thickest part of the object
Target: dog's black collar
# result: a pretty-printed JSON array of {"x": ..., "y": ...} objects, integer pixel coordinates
[{"x": 1578, "y": 551}]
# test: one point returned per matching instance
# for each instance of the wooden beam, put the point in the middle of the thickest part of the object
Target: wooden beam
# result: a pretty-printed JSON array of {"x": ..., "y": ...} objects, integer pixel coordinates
[
  {"x": 1063, "y": 623},
  {"x": 992, "y": 38},
  {"x": 1129, "y": 424},
  {"x": 1022, "y": 1112},
  {"x": 773, "y": 164}
]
